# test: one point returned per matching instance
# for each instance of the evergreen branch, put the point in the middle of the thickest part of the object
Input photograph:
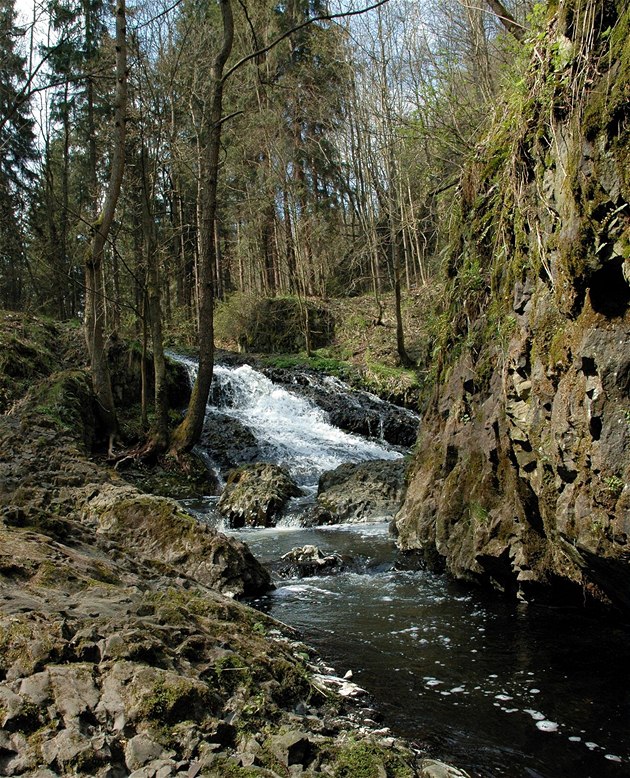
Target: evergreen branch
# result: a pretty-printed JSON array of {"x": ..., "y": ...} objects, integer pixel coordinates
[
  {"x": 27, "y": 91},
  {"x": 297, "y": 28}
]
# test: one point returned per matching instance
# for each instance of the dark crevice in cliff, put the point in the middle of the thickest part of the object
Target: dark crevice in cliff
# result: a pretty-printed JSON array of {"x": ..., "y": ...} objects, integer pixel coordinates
[
  {"x": 529, "y": 501},
  {"x": 595, "y": 427},
  {"x": 589, "y": 367},
  {"x": 499, "y": 571},
  {"x": 609, "y": 292}
]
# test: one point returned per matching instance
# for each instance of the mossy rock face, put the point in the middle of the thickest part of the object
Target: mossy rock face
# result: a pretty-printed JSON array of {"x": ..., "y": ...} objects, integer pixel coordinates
[
  {"x": 125, "y": 361},
  {"x": 28, "y": 348},
  {"x": 65, "y": 401},
  {"x": 273, "y": 325},
  {"x": 521, "y": 478}
]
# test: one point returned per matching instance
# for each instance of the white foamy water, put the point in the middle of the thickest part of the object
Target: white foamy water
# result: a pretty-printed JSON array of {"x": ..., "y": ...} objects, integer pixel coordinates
[{"x": 290, "y": 430}]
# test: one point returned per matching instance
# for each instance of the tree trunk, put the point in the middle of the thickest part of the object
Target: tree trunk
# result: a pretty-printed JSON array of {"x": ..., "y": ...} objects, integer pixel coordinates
[
  {"x": 189, "y": 431},
  {"x": 158, "y": 439},
  {"x": 95, "y": 304}
]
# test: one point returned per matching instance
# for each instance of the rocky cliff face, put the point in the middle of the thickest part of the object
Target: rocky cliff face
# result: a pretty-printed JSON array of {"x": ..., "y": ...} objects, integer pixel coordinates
[{"x": 522, "y": 471}]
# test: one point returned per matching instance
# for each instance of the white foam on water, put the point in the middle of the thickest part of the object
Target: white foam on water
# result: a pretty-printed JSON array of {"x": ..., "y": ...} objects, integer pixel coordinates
[
  {"x": 291, "y": 430},
  {"x": 547, "y": 726},
  {"x": 535, "y": 714}
]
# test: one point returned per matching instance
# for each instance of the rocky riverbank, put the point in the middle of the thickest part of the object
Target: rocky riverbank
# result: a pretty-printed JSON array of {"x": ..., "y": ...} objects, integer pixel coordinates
[{"x": 123, "y": 648}]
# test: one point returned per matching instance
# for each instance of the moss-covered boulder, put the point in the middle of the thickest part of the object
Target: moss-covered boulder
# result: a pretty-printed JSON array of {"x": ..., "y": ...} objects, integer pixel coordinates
[
  {"x": 255, "y": 495},
  {"x": 273, "y": 325},
  {"x": 157, "y": 531}
]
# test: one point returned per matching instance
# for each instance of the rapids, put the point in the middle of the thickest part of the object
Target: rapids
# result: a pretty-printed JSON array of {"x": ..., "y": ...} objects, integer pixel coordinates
[{"x": 498, "y": 688}]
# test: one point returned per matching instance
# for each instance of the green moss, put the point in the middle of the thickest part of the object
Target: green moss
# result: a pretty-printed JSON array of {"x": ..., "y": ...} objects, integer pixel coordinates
[
  {"x": 609, "y": 100},
  {"x": 614, "y": 485},
  {"x": 320, "y": 360},
  {"x": 175, "y": 700},
  {"x": 366, "y": 760},
  {"x": 478, "y": 513},
  {"x": 227, "y": 769}
]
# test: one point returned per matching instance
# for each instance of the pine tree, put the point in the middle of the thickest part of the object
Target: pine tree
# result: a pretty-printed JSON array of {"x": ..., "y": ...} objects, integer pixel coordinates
[{"x": 16, "y": 152}]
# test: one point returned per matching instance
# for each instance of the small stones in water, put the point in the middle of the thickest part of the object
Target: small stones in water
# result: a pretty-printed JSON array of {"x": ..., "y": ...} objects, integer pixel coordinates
[{"x": 306, "y": 561}]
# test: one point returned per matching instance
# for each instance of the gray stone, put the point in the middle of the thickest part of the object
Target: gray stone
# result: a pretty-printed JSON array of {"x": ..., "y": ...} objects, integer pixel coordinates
[
  {"x": 306, "y": 561},
  {"x": 363, "y": 492},
  {"x": 293, "y": 748},
  {"x": 140, "y": 749},
  {"x": 158, "y": 768},
  {"x": 36, "y": 688},
  {"x": 431, "y": 768},
  {"x": 73, "y": 689},
  {"x": 66, "y": 747}
]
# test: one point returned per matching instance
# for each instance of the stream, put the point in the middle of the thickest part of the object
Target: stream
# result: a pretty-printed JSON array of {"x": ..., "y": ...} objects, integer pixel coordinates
[{"x": 497, "y": 688}]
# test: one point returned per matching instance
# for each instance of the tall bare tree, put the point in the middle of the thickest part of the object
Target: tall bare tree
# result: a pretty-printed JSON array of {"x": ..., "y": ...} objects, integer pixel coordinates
[
  {"x": 95, "y": 301},
  {"x": 189, "y": 431}
]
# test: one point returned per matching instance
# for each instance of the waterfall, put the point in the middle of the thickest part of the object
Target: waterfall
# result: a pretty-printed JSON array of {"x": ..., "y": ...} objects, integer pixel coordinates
[{"x": 290, "y": 430}]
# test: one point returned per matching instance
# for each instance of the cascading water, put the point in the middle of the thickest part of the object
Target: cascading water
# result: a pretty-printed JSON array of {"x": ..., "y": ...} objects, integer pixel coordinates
[
  {"x": 499, "y": 689},
  {"x": 291, "y": 431}
]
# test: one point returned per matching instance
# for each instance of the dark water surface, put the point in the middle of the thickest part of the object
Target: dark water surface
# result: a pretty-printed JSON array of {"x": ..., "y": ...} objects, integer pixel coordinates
[{"x": 499, "y": 689}]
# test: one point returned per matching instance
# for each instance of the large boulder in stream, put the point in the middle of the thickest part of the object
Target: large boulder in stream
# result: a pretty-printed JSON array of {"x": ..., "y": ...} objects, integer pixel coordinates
[
  {"x": 363, "y": 491},
  {"x": 255, "y": 495}
]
